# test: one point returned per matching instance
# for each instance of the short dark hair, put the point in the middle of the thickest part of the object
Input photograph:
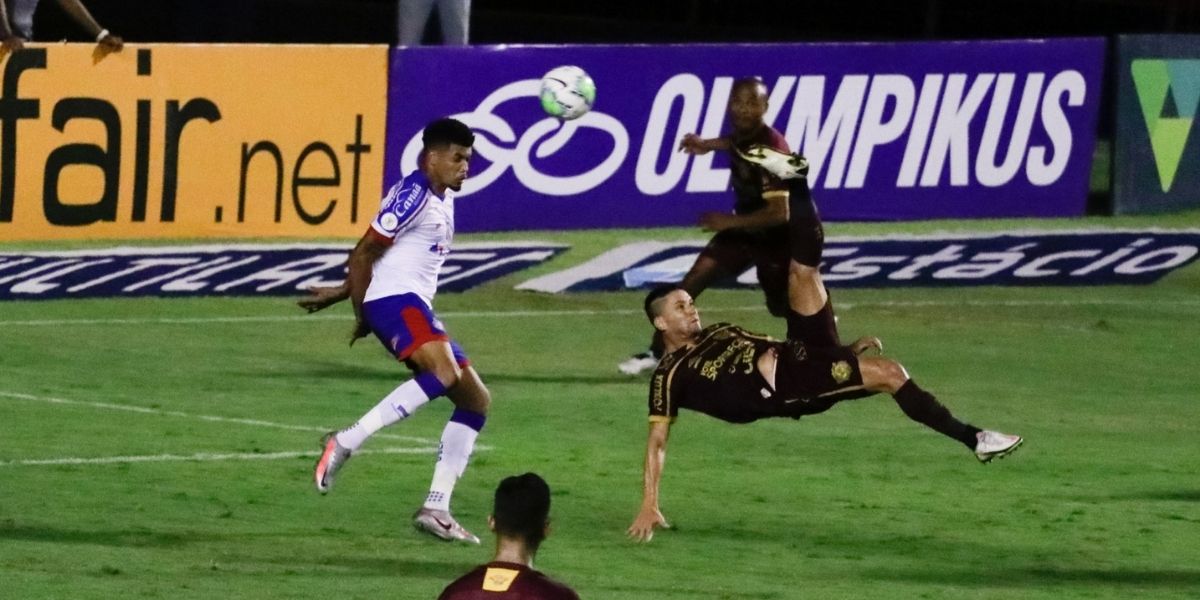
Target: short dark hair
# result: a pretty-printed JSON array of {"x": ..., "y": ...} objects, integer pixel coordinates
[
  {"x": 444, "y": 132},
  {"x": 655, "y": 295},
  {"x": 522, "y": 508},
  {"x": 748, "y": 82}
]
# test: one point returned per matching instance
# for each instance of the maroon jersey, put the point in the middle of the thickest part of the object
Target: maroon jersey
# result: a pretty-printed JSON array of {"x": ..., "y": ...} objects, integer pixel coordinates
[
  {"x": 717, "y": 376},
  {"x": 506, "y": 581},
  {"x": 750, "y": 181}
]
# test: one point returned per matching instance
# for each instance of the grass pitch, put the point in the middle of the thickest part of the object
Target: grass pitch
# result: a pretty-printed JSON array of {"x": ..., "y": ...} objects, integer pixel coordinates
[{"x": 163, "y": 448}]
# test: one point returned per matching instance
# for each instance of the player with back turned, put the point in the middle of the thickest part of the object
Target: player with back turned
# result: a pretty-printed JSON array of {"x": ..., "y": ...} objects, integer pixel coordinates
[{"x": 521, "y": 520}]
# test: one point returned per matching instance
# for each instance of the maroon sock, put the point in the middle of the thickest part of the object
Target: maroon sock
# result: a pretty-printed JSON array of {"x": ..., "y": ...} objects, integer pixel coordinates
[
  {"x": 923, "y": 408},
  {"x": 818, "y": 329}
]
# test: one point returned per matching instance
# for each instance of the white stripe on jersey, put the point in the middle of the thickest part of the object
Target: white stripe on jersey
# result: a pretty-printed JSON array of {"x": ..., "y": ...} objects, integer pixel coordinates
[{"x": 421, "y": 227}]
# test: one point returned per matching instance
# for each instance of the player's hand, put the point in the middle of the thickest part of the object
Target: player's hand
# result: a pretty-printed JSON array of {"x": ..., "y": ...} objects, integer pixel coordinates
[
  {"x": 647, "y": 521},
  {"x": 320, "y": 298},
  {"x": 361, "y": 330},
  {"x": 12, "y": 43},
  {"x": 716, "y": 221},
  {"x": 693, "y": 144},
  {"x": 865, "y": 343},
  {"x": 110, "y": 43}
]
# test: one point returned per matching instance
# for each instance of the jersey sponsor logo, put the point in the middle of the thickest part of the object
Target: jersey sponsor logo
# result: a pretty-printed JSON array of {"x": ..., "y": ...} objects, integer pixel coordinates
[
  {"x": 232, "y": 270},
  {"x": 1010, "y": 259},
  {"x": 396, "y": 212}
]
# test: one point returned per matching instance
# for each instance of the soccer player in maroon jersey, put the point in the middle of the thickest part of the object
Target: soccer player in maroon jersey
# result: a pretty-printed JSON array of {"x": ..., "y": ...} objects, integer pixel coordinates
[
  {"x": 737, "y": 376},
  {"x": 758, "y": 230},
  {"x": 521, "y": 520}
]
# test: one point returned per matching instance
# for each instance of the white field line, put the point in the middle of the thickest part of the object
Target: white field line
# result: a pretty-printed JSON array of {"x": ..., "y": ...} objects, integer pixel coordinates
[
  {"x": 594, "y": 312},
  {"x": 210, "y": 418},
  {"x": 199, "y": 457}
]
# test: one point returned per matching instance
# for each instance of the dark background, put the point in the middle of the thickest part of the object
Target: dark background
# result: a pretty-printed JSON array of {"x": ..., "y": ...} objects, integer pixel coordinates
[{"x": 530, "y": 21}]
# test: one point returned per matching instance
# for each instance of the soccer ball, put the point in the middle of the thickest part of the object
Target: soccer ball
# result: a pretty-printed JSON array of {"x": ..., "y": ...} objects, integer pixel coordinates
[{"x": 567, "y": 92}]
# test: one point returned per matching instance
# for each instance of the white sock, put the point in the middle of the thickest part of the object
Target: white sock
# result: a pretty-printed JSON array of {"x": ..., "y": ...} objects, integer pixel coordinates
[
  {"x": 396, "y": 406},
  {"x": 458, "y": 440}
]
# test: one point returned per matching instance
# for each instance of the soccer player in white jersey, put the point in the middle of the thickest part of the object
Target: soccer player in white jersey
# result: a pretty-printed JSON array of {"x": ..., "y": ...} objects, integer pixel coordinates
[{"x": 392, "y": 279}]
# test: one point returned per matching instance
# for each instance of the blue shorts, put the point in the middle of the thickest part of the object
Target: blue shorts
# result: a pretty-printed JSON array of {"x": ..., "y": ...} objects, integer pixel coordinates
[{"x": 404, "y": 323}]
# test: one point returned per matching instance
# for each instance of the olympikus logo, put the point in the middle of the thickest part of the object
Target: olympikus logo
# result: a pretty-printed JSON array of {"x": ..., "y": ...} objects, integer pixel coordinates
[
  {"x": 954, "y": 129},
  {"x": 933, "y": 119},
  {"x": 1169, "y": 94}
]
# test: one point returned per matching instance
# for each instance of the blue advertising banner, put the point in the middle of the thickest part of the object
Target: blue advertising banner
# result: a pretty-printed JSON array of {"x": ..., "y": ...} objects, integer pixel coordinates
[
  {"x": 1156, "y": 162},
  {"x": 891, "y": 130},
  {"x": 231, "y": 270},
  {"x": 1014, "y": 259}
]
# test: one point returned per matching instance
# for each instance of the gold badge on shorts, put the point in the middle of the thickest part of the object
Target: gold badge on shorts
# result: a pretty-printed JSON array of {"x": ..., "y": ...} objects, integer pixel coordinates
[{"x": 841, "y": 371}]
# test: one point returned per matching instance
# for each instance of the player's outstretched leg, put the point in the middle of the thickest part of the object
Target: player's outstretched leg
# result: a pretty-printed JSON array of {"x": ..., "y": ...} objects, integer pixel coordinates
[
  {"x": 471, "y": 400},
  {"x": 888, "y": 376},
  {"x": 401, "y": 403},
  {"x": 810, "y": 316}
]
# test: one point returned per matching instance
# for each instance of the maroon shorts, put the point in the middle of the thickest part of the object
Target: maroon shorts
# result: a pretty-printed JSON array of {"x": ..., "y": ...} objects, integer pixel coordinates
[{"x": 810, "y": 380}]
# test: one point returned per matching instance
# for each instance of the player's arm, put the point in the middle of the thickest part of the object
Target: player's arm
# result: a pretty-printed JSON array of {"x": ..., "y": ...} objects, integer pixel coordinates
[
  {"x": 9, "y": 40},
  {"x": 775, "y": 212},
  {"x": 320, "y": 298},
  {"x": 694, "y": 144},
  {"x": 649, "y": 516},
  {"x": 79, "y": 13},
  {"x": 362, "y": 260}
]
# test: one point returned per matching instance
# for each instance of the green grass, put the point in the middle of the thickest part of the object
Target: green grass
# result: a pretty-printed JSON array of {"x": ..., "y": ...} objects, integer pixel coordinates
[{"x": 1103, "y": 502}]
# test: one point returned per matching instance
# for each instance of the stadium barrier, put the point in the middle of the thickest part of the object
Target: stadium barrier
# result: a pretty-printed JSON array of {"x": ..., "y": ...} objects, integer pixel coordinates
[
  {"x": 191, "y": 141},
  {"x": 1156, "y": 164},
  {"x": 891, "y": 130}
]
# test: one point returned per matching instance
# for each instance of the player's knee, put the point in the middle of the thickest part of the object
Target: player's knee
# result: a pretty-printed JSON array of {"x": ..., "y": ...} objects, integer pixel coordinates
[
  {"x": 800, "y": 270},
  {"x": 447, "y": 372},
  {"x": 481, "y": 400},
  {"x": 883, "y": 374}
]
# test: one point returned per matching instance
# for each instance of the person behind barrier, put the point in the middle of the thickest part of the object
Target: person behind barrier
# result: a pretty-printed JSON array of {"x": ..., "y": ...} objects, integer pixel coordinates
[{"x": 16, "y": 24}]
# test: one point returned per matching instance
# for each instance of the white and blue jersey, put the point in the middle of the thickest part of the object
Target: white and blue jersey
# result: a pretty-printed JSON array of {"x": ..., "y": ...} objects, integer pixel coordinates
[{"x": 420, "y": 226}]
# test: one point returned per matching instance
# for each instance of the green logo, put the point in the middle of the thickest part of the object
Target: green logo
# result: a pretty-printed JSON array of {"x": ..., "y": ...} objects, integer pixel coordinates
[{"x": 1169, "y": 92}]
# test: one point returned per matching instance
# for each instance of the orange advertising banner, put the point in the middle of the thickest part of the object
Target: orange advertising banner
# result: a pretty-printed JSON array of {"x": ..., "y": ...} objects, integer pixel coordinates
[{"x": 191, "y": 141}]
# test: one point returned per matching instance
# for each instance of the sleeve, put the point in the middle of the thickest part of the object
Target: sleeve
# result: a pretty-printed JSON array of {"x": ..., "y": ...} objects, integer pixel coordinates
[
  {"x": 662, "y": 409},
  {"x": 399, "y": 209}
]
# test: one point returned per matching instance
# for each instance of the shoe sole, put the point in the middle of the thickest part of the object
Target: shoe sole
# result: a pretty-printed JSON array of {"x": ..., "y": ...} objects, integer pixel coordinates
[{"x": 1002, "y": 453}]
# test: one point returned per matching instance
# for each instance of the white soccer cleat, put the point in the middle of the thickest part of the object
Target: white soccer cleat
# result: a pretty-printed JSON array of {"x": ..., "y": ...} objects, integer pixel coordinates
[
  {"x": 780, "y": 164},
  {"x": 440, "y": 524},
  {"x": 638, "y": 363},
  {"x": 333, "y": 456},
  {"x": 993, "y": 444}
]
